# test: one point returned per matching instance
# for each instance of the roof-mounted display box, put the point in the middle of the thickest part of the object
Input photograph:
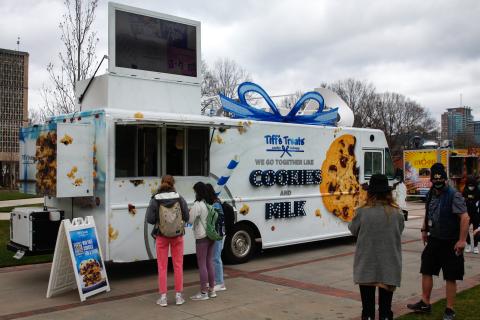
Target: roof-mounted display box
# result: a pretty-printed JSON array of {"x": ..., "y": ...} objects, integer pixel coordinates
[{"x": 153, "y": 45}]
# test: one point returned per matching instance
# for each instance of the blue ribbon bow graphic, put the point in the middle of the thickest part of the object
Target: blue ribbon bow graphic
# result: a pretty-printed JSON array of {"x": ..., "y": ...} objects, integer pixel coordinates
[{"x": 242, "y": 110}]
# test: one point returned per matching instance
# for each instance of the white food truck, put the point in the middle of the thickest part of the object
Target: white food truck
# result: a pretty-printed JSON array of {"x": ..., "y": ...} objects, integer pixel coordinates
[{"x": 288, "y": 182}]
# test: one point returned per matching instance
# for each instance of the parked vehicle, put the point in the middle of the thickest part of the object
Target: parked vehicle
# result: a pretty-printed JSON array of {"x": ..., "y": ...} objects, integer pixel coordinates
[{"x": 288, "y": 182}]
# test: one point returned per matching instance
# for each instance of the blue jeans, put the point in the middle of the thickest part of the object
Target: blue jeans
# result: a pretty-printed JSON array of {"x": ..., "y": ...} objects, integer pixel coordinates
[{"x": 217, "y": 261}]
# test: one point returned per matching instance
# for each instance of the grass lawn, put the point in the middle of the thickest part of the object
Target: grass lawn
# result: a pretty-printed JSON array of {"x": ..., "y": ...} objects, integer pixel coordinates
[
  {"x": 9, "y": 209},
  {"x": 6, "y": 259},
  {"x": 14, "y": 195},
  {"x": 467, "y": 307}
]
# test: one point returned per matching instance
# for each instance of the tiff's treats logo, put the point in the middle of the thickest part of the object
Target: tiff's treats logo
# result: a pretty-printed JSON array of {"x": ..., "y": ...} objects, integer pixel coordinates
[
  {"x": 27, "y": 159},
  {"x": 284, "y": 144}
]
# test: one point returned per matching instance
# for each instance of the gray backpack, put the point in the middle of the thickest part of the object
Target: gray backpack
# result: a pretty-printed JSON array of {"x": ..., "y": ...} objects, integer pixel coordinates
[{"x": 170, "y": 220}]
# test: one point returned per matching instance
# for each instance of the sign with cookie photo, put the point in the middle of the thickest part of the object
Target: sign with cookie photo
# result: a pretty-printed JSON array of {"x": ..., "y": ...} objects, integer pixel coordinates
[
  {"x": 77, "y": 249},
  {"x": 88, "y": 261}
]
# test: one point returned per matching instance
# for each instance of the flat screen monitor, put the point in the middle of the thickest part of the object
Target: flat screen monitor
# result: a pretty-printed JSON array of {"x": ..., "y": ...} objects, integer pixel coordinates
[{"x": 153, "y": 45}]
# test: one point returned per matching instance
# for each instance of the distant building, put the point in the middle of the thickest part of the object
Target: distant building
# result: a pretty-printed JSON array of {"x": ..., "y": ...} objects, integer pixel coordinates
[
  {"x": 476, "y": 131},
  {"x": 13, "y": 110},
  {"x": 457, "y": 122}
]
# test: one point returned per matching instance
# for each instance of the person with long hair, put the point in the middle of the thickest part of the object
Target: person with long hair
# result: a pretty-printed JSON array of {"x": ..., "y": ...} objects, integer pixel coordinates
[
  {"x": 204, "y": 246},
  {"x": 378, "y": 226},
  {"x": 168, "y": 199},
  {"x": 217, "y": 251}
]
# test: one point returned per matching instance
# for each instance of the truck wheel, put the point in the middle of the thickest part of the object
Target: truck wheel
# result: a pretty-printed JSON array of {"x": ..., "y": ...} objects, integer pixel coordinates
[{"x": 239, "y": 245}]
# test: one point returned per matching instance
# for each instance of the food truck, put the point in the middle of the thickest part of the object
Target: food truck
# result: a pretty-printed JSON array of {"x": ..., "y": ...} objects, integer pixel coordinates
[
  {"x": 290, "y": 178},
  {"x": 459, "y": 164}
]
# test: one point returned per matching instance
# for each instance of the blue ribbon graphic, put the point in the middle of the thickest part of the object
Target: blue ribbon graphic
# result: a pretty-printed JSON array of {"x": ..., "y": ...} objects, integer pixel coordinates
[{"x": 242, "y": 110}]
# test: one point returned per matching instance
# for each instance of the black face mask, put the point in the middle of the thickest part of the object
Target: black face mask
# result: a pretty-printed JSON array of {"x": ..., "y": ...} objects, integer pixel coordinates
[{"x": 439, "y": 185}]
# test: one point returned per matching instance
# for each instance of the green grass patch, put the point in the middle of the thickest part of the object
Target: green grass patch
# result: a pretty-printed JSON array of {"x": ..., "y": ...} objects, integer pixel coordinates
[
  {"x": 6, "y": 257},
  {"x": 9, "y": 209},
  {"x": 467, "y": 307},
  {"x": 15, "y": 195}
]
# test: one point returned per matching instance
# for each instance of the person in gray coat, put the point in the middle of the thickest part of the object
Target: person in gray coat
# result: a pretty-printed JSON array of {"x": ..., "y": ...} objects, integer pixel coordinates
[{"x": 378, "y": 226}]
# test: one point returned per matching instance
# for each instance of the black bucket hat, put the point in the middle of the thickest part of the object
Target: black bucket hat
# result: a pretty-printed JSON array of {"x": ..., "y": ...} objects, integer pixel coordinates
[{"x": 378, "y": 184}]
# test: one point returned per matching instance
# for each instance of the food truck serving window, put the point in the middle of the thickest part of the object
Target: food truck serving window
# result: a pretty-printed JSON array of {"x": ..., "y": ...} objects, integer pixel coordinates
[
  {"x": 455, "y": 167},
  {"x": 149, "y": 151},
  {"x": 187, "y": 151},
  {"x": 136, "y": 151}
]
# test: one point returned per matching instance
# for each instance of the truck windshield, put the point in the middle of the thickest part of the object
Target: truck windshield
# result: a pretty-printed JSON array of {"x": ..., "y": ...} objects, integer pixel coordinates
[{"x": 389, "y": 170}]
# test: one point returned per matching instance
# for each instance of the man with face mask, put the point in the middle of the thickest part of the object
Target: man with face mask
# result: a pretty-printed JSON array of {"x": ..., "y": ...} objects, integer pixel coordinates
[
  {"x": 444, "y": 232},
  {"x": 472, "y": 196}
]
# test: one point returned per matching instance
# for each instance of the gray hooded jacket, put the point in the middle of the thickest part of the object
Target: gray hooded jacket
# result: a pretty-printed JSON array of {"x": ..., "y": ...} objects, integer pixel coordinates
[{"x": 166, "y": 199}]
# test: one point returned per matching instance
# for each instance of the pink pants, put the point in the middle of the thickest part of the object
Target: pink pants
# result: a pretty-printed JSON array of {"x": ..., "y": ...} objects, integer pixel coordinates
[{"x": 176, "y": 248}]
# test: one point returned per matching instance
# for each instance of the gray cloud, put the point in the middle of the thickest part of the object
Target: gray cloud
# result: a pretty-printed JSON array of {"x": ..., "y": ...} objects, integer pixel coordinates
[{"x": 426, "y": 50}]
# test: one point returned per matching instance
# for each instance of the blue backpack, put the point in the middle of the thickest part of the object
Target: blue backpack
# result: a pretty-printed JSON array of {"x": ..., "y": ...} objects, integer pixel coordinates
[{"x": 220, "y": 224}]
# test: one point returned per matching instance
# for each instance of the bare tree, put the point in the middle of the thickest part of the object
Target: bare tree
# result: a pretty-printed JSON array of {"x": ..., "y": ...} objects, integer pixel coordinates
[
  {"x": 224, "y": 78},
  {"x": 228, "y": 75},
  {"x": 77, "y": 57},
  {"x": 400, "y": 119},
  {"x": 208, "y": 88},
  {"x": 36, "y": 116},
  {"x": 397, "y": 116},
  {"x": 359, "y": 96}
]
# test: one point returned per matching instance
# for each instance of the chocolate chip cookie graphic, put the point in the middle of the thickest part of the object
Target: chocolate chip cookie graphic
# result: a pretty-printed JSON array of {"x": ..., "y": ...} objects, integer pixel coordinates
[{"x": 340, "y": 187}]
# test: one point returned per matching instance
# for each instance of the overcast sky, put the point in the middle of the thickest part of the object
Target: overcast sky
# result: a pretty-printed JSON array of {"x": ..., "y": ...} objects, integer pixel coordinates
[{"x": 426, "y": 50}]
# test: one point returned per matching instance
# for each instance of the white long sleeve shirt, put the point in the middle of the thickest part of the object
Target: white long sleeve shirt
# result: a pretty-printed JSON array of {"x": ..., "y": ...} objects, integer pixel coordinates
[
  {"x": 198, "y": 211},
  {"x": 400, "y": 194}
]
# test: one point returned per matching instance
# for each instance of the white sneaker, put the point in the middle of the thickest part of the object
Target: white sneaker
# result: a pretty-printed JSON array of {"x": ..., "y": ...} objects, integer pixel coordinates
[
  {"x": 475, "y": 250},
  {"x": 179, "y": 300},
  {"x": 212, "y": 294},
  {"x": 220, "y": 287},
  {"x": 162, "y": 301},
  {"x": 468, "y": 248},
  {"x": 200, "y": 296}
]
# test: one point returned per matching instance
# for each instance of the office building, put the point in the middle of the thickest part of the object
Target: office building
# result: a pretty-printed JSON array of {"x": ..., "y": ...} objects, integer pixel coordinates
[
  {"x": 13, "y": 111},
  {"x": 457, "y": 122}
]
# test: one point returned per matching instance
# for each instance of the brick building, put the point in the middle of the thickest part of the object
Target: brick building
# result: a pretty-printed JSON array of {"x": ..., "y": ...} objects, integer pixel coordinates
[{"x": 13, "y": 111}]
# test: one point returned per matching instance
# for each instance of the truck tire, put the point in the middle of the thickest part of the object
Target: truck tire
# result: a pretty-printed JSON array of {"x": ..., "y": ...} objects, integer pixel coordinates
[{"x": 240, "y": 245}]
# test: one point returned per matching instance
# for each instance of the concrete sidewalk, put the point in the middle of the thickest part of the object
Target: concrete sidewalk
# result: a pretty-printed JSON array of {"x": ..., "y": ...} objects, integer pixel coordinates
[
  {"x": 310, "y": 281},
  {"x": 20, "y": 202}
]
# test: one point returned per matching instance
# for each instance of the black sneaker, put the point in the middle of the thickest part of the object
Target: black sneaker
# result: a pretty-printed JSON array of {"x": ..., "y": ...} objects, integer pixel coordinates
[
  {"x": 449, "y": 314},
  {"x": 420, "y": 306}
]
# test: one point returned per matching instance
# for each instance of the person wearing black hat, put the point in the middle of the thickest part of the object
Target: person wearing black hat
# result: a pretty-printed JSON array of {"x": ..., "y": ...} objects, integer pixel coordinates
[
  {"x": 444, "y": 232},
  {"x": 378, "y": 226}
]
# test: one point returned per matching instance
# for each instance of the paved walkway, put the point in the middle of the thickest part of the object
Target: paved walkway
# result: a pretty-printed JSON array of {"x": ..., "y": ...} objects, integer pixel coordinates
[
  {"x": 310, "y": 281},
  {"x": 20, "y": 202}
]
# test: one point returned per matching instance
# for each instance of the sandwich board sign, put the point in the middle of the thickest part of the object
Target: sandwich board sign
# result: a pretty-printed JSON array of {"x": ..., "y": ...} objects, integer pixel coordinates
[{"x": 77, "y": 261}]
